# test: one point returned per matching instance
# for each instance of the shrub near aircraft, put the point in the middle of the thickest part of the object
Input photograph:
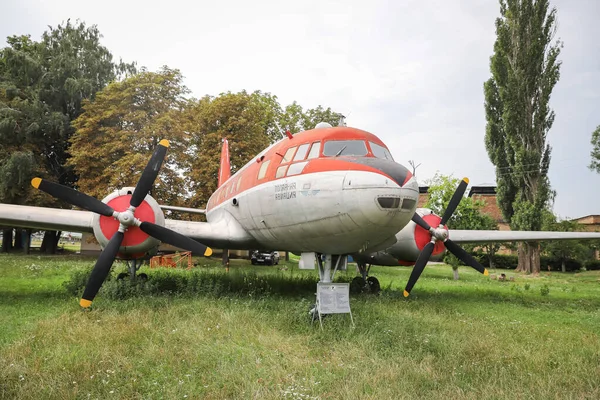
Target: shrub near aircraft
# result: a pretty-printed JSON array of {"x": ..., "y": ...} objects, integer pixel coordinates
[{"x": 327, "y": 191}]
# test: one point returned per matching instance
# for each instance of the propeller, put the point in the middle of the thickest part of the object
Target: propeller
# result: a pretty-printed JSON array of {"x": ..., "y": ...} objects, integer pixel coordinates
[
  {"x": 441, "y": 233},
  {"x": 126, "y": 219}
]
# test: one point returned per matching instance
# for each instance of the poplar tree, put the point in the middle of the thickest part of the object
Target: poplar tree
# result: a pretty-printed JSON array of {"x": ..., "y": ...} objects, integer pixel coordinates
[
  {"x": 595, "y": 153},
  {"x": 525, "y": 68}
]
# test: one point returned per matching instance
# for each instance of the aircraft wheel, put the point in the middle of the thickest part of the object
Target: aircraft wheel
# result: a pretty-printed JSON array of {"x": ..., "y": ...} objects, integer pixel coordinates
[
  {"x": 374, "y": 285},
  {"x": 357, "y": 285}
]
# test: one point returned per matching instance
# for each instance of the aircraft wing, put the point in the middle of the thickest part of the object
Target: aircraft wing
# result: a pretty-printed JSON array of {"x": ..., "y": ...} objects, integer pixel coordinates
[
  {"x": 222, "y": 233},
  {"x": 472, "y": 236},
  {"x": 43, "y": 218}
]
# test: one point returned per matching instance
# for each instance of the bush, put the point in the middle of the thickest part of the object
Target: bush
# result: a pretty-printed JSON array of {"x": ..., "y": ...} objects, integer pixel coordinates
[
  {"x": 74, "y": 286},
  {"x": 593, "y": 265},
  {"x": 509, "y": 261},
  {"x": 500, "y": 261},
  {"x": 195, "y": 282}
]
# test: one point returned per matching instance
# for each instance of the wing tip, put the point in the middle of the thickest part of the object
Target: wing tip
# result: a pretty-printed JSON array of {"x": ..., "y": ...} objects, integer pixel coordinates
[
  {"x": 35, "y": 182},
  {"x": 406, "y": 293},
  {"x": 466, "y": 180},
  {"x": 208, "y": 252},
  {"x": 164, "y": 142},
  {"x": 486, "y": 272}
]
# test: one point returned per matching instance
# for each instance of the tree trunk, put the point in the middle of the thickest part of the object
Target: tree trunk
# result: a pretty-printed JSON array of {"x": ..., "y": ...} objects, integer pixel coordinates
[
  {"x": 455, "y": 273},
  {"x": 27, "y": 241},
  {"x": 225, "y": 259},
  {"x": 529, "y": 258},
  {"x": 563, "y": 267},
  {"x": 7, "y": 240},
  {"x": 50, "y": 242},
  {"x": 491, "y": 254},
  {"x": 534, "y": 253},
  {"x": 18, "y": 239}
]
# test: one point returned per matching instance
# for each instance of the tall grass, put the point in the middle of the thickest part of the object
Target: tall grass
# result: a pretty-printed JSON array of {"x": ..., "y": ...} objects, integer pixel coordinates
[{"x": 466, "y": 339}]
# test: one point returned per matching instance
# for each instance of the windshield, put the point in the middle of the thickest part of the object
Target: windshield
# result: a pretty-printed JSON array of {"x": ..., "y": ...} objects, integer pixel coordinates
[
  {"x": 345, "y": 148},
  {"x": 380, "y": 151}
]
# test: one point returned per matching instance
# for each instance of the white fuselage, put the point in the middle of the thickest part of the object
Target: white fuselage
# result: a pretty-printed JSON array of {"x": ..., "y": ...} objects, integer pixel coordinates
[{"x": 332, "y": 212}]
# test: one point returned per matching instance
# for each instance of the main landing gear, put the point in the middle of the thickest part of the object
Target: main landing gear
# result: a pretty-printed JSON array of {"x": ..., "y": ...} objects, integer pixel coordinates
[
  {"x": 133, "y": 266},
  {"x": 364, "y": 283}
]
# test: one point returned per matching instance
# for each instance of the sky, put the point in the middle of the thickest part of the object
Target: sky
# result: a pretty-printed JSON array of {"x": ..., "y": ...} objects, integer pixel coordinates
[{"x": 409, "y": 71}]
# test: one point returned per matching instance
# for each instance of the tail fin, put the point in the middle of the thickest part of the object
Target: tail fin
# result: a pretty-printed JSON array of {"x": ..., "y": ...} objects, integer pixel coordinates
[{"x": 225, "y": 167}]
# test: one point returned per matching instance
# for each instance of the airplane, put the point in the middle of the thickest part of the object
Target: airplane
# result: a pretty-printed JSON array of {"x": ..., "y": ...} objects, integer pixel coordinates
[{"x": 324, "y": 193}]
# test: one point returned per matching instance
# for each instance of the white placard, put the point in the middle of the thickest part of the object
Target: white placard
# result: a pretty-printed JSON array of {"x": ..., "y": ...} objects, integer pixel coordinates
[{"x": 333, "y": 298}]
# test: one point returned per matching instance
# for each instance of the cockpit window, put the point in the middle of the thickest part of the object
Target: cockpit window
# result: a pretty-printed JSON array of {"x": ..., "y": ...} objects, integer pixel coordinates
[
  {"x": 380, "y": 151},
  {"x": 345, "y": 148},
  {"x": 288, "y": 155}
]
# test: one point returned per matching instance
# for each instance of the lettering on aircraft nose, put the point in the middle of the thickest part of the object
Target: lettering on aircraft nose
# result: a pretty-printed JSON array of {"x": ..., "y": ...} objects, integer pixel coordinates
[{"x": 285, "y": 191}]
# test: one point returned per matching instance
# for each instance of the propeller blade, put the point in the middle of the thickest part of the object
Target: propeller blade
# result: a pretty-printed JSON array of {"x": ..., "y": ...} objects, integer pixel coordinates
[
  {"x": 150, "y": 173},
  {"x": 175, "y": 239},
  {"x": 101, "y": 269},
  {"x": 463, "y": 256},
  {"x": 456, "y": 198},
  {"x": 419, "y": 267},
  {"x": 417, "y": 219},
  {"x": 72, "y": 197}
]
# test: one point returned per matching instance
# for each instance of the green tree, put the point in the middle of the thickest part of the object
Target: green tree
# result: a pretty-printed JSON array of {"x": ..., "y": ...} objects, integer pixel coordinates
[
  {"x": 595, "y": 153},
  {"x": 246, "y": 120},
  {"x": 468, "y": 214},
  {"x": 42, "y": 86},
  {"x": 525, "y": 68},
  {"x": 564, "y": 250},
  {"x": 296, "y": 119},
  {"x": 118, "y": 131}
]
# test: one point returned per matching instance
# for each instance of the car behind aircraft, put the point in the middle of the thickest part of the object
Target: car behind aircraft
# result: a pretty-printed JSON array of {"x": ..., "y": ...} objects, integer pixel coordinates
[{"x": 264, "y": 257}]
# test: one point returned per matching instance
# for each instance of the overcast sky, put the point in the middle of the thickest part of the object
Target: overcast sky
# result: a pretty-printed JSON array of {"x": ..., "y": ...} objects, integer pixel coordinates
[{"x": 411, "y": 72}]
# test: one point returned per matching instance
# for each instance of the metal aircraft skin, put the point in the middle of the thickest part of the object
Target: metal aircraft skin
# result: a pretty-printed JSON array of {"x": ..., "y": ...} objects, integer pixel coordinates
[
  {"x": 332, "y": 191},
  {"x": 412, "y": 238}
]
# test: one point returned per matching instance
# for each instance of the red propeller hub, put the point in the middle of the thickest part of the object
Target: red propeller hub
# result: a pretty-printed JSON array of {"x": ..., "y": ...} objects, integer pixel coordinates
[
  {"x": 133, "y": 235},
  {"x": 422, "y": 237}
]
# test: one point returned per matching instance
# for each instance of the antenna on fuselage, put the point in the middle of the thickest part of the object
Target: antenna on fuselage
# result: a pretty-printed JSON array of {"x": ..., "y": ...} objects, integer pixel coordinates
[{"x": 414, "y": 167}]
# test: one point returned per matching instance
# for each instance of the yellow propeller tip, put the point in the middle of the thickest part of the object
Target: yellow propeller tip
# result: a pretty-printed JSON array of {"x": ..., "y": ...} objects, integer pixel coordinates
[
  {"x": 406, "y": 293},
  {"x": 85, "y": 303},
  {"x": 35, "y": 182},
  {"x": 208, "y": 252},
  {"x": 466, "y": 180},
  {"x": 485, "y": 272},
  {"x": 164, "y": 143}
]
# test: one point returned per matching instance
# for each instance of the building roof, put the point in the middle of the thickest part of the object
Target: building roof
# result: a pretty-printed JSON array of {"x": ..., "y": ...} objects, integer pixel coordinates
[{"x": 482, "y": 189}]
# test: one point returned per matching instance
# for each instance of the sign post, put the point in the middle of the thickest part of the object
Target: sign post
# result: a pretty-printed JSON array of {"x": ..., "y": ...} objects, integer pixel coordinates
[{"x": 333, "y": 298}]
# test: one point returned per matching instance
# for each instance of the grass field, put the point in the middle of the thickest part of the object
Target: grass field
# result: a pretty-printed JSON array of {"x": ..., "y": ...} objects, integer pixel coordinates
[{"x": 536, "y": 337}]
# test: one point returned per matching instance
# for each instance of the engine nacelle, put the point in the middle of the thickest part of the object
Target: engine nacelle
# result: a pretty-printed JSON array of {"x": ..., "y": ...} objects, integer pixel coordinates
[
  {"x": 409, "y": 243},
  {"x": 136, "y": 243}
]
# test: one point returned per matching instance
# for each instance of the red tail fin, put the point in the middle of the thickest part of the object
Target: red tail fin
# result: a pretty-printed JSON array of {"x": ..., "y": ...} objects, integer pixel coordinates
[{"x": 225, "y": 168}]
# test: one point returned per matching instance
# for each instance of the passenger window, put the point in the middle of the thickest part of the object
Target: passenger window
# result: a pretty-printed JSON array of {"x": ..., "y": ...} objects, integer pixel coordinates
[
  {"x": 263, "y": 169},
  {"x": 314, "y": 150},
  {"x": 239, "y": 183},
  {"x": 288, "y": 155},
  {"x": 296, "y": 168},
  {"x": 281, "y": 171},
  {"x": 301, "y": 153}
]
